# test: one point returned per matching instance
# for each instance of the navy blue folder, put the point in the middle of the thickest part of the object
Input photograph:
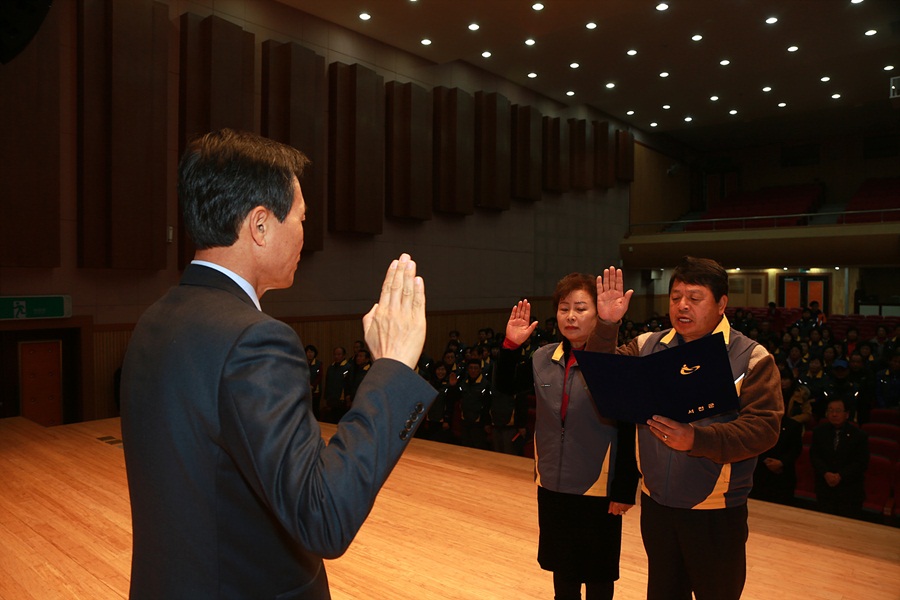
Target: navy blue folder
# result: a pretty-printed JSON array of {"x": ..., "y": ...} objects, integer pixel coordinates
[{"x": 686, "y": 383}]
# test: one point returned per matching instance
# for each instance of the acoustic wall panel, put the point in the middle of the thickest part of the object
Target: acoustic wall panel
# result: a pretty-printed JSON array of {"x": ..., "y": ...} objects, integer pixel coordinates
[
  {"x": 454, "y": 151},
  {"x": 356, "y": 133},
  {"x": 122, "y": 110},
  {"x": 526, "y": 145},
  {"x": 557, "y": 175},
  {"x": 408, "y": 151},
  {"x": 581, "y": 154},
  {"x": 604, "y": 155},
  {"x": 624, "y": 155},
  {"x": 293, "y": 112},
  {"x": 493, "y": 178}
]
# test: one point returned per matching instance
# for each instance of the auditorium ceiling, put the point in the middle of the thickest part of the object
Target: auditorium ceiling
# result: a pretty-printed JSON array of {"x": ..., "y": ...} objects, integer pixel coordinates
[{"x": 712, "y": 74}]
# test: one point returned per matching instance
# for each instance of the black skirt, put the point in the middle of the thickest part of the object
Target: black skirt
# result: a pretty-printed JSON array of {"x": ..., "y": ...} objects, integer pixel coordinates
[{"x": 579, "y": 539}]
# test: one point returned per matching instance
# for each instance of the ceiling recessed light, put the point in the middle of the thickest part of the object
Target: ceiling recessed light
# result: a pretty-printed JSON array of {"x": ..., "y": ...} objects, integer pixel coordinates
[
  {"x": 835, "y": 96},
  {"x": 486, "y": 54},
  {"x": 772, "y": 20},
  {"x": 426, "y": 42},
  {"x": 725, "y": 62},
  {"x": 570, "y": 93},
  {"x": 653, "y": 124},
  {"x": 610, "y": 85},
  {"x": 667, "y": 106},
  {"x": 537, "y": 6},
  {"x": 782, "y": 104},
  {"x": 591, "y": 25},
  {"x": 574, "y": 65},
  {"x": 629, "y": 113},
  {"x": 714, "y": 98},
  {"x": 825, "y": 79},
  {"x": 871, "y": 32},
  {"x": 856, "y": 1},
  {"x": 532, "y": 75},
  {"x": 662, "y": 6},
  {"x": 732, "y": 112},
  {"x": 767, "y": 89},
  {"x": 793, "y": 48},
  {"x": 664, "y": 74},
  {"x": 473, "y": 27},
  {"x": 888, "y": 67},
  {"x": 365, "y": 16},
  {"x": 697, "y": 37},
  {"x": 529, "y": 42},
  {"x": 631, "y": 52},
  {"x": 688, "y": 119}
]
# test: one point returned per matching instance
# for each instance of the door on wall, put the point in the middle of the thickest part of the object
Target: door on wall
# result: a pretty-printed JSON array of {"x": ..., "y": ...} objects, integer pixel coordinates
[
  {"x": 797, "y": 291},
  {"x": 747, "y": 290},
  {"x": 40, "y": 382}
]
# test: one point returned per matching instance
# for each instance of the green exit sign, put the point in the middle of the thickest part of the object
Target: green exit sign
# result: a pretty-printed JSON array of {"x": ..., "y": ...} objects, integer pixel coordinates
[{"x": 35, "y": 307}]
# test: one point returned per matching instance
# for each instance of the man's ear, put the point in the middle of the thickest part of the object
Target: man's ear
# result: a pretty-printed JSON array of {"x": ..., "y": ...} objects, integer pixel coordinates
[
  {"x": 723, "y": 302},
  {"x": 257, "y": 223}
]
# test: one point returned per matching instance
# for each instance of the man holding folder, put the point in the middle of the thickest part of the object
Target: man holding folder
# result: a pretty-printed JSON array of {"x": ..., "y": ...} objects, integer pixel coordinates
[{"x": 696, "y": 475}]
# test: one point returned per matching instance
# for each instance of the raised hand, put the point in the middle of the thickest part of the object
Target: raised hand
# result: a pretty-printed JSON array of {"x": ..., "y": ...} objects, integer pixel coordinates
[
  {"x": 395, "y": 327},
  {"x": 519, "y": 328},
  {"x": 612, "y": 299}
]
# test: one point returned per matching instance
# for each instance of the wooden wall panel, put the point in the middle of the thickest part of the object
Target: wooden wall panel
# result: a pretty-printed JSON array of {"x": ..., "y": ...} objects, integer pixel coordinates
[
  {"x": 293, "y": 112},
  {"x": 492, "y": 151},
  {"x": 216, "y": 86},
  {"x": 526, "y": 145},
  {"x": 454, "y": 151},
  {"x": 355, "y": 149},
  {"x": 408, "y": 151},
  {"x": 604, "y": 155},
  {"x": 557, "y": 173},
  {"x": 30, "y": 153},
  {"x": 122, "y": 186},
  {"x": 624, "y": 155},
  {"x": 581, "y": 154}
]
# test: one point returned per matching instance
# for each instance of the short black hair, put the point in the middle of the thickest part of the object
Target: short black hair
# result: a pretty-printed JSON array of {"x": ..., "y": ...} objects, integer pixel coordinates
[
  {"x": 225, "y": 174},
  {"x": 701, "y": 271}
]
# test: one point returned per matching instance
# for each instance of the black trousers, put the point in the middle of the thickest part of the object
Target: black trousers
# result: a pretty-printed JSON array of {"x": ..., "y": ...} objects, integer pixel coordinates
[{"x": 703, "y": 551}]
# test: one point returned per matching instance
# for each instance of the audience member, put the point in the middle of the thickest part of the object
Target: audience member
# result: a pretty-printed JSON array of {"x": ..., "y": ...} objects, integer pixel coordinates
[
  {"x": 887, "y": 384},
  {"x": 797, "y": 403},
  {"x": 864, "y": 380},
  {"x": 315, "y": 379},
  {"x": 775, "y": 478},
  {"x": 840, "y": 455},
  {"x": 439, "y": 418},
  {"x": 840, "y": 387},
  {"x": 816, "y": 380},
  {"x": 475, "y": 406},
  {"x": 337, "y": 381}
]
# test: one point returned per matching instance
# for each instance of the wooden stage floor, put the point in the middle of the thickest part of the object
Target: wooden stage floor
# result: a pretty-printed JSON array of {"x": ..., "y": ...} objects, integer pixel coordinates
[{"x": 451, "y": 523}]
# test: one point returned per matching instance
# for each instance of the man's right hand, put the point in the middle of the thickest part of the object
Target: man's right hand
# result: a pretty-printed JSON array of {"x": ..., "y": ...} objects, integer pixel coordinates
[
  {"x": 519, "y": 328},
  {"x": 395, "y": 327}
]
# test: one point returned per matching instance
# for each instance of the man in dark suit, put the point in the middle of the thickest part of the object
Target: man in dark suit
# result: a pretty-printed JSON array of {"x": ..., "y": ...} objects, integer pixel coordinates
[
  {"x": 234, "y": 494},
  {"x": 840, "y": 456}
]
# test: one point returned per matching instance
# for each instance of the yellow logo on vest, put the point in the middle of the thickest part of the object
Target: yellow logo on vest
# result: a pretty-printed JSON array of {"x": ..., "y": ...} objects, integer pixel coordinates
[{"x": 686, "y": 370}]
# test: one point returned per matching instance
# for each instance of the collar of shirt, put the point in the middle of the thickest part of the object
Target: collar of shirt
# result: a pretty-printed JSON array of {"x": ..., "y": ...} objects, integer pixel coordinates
[{"x": 245, "y": 285}]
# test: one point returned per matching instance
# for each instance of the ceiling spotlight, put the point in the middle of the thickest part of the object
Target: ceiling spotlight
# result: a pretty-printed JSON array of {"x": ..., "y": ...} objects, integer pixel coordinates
[
  {"x": 688, "y": 119},
  {"x": 697, "y": 37},
  {"x": 473, "y": 27},
  {"x": 855, "y": 1},
  {"x": 667, "y": 106},
  {"x": 714, "y": 98},
  {"x": 767, "y": 89},
  {"x": 653, "y": 124},
  {"x": 784, "y": 268},
  {"x": 574, "y": 65},
  {"x": 610, "y": 85},
  {"x": 793, "y": 48},
  {"x": 537, "y": 6},
  {"x": 725, "y": 62},
  {"x": 662, "y": 6},
  {"x": 591, "y": 25},
  {"x": 835, "y": 96},
  {"x": 782, "y": 104},
  {"x": 889, "y": 67},
  {"x": 365, "y": 16},
  {"x": 426, "y": 42},
  {"x": 772, "y": 20},
  {"x": 570, "y": 93},
  {"x": 529, "y": 42},
  {"x": 732, "y": 112},
  {"x": 631, "y": 52},
  {"x": 629, "y": 113},
  {"x": 664, "y": 74},
  {"x": 532, "y": 75},
  {"x": 825, "y": 79},
  {"x": 486, "y": 54},
  {"x": 837, "y": 268},
  {"x": 871, "y": 32}
]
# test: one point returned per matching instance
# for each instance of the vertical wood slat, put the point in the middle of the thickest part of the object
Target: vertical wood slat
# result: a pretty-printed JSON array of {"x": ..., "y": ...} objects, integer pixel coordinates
[
  {"x": 408, "y": 151},
  {"x": 624, "y": 155},
  {"x": 557, "y": 175},
  {"x": 216, "y": 86},
  {"x": 526, "y": 145},
  {"x": 454, "y": 151},
  {"x": 493, "y": 178},
  {"x": 293, "y": 112},
  {"x": 581, "y": 154},
  {"x": 604, "y": 155},
  {"x": 355, "y": 149}
]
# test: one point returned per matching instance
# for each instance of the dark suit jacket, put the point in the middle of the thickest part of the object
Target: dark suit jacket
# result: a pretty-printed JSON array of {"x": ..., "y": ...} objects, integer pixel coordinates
[
  {"x": 233, "y": 492},
  {"x": 850, "y": 459}
]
